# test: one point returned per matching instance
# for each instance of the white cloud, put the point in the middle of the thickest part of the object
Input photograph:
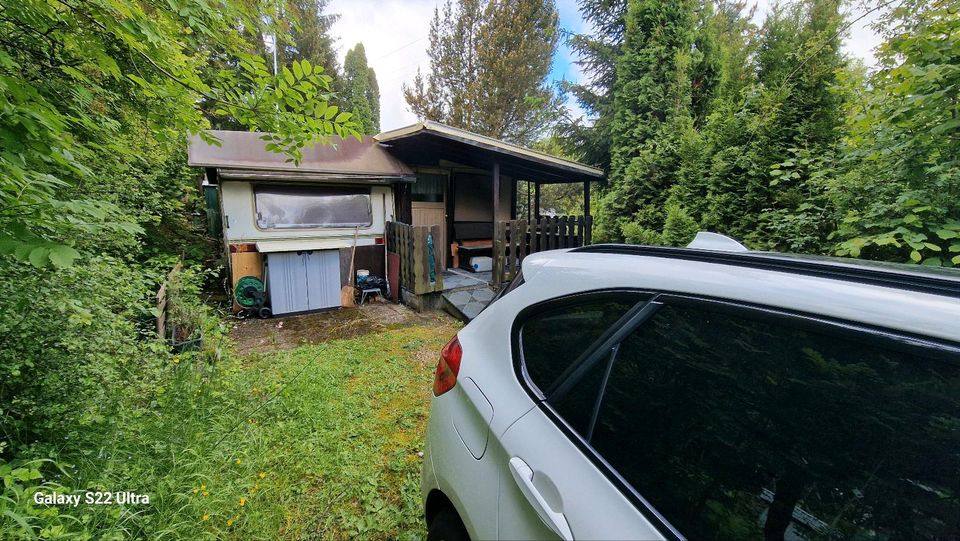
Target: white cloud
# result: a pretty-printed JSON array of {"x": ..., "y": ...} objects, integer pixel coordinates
[
  {"x": 859, "y": 41},
  {"x": 394, "y": 35}
]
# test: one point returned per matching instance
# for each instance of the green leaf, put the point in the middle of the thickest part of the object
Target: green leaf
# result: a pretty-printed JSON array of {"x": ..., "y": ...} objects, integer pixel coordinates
[
  {"x": 947, "y": 234},
  {"x": 932, "y": 246},
  {"x": 39, "y": 257},
  {"x": 915, "y": 256},
  {"x": 62, "y": 256},
  {"x": 910, "y": 218},
  {"x": 330, "y": 112}
]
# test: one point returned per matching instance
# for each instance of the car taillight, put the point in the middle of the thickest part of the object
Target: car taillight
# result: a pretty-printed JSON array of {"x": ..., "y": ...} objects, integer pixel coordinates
[{"x": 448, "y": 367}]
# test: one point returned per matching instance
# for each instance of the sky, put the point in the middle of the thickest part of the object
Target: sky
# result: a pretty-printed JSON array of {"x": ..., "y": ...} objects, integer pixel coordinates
[{"x": 394, "y": 35}]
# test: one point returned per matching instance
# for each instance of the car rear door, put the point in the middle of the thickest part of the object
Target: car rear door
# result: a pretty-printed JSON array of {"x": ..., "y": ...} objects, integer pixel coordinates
[
  {"x": 705, "y": 419},
  {"x": 549, "y": 488}
]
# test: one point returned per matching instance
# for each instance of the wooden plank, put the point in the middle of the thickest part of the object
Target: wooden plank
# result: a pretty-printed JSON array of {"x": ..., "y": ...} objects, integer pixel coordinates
[
  {"x": 588, "y": 230},
  {"x": 419, "y": 246},
  {"x": 552, "y": 234},
  {"x": 390, "y": 233},
  {"x": 524, "y": 246},
  {"x": 438, "y": 247},
  {"x": 562, "y": 240},
  {"x": 543, "y": 224},
  {"x": 403, "y": 237},
  {"x": 579, "y": 237},
  {"x": 162, "y": 310},
  {"x": 515, "y": 242},
  {"x": 499, "y": 255}
]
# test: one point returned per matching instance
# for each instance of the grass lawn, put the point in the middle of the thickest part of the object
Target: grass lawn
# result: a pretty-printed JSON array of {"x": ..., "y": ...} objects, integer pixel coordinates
[
  {"x": 308, "y": 430},
  {"x": 337, "y": 454}
]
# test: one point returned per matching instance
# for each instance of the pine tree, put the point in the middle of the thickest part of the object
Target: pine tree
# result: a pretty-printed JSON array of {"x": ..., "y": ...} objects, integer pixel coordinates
[
  {"x": 652, "y": 100},
  {"x": 792, "y": 108},
  {"x": 310, "y": 38},
  {"x": 373, "y": 97},
  {"x": 598, "y": 53},
  {"x": 489, "y": 63},
  {"x": 358, "y": 96}
]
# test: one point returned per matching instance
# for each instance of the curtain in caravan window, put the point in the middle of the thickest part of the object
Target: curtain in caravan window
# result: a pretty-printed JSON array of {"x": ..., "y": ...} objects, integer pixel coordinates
[{"x": 306, "y": 207}]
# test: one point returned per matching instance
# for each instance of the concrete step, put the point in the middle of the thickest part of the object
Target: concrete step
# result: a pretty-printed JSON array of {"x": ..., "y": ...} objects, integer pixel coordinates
[{"x": 465, "y": 304}]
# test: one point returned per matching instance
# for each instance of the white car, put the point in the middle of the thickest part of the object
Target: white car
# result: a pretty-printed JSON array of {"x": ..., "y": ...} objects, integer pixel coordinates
[{"x": 627, "y": 392}]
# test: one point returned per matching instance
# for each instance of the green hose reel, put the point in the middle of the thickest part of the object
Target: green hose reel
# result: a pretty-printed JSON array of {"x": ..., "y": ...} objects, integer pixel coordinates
[{"x": 251, "y": 295}]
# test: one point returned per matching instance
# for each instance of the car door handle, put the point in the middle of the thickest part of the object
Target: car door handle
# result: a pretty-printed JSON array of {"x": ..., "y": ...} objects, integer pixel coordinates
[{"x": 523, "y": 475}]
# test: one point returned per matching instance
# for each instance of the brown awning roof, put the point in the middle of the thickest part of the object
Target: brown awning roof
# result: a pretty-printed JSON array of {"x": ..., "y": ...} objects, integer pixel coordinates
[
  {"x": 242, "y": 155},
  {"x": 428, "y": 142}
]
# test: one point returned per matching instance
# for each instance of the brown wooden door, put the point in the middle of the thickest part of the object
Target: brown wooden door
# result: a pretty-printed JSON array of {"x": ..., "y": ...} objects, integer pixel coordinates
[{"x": 433, "y": 214}]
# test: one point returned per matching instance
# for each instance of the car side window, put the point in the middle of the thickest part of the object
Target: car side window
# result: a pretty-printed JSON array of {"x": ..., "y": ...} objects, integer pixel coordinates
[
  {"x": 735, "y": 427},
  {"x": 553, "y": 338}
]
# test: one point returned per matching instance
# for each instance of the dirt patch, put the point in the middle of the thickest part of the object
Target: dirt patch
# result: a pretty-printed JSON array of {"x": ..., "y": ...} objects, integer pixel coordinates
[{"x": 280, "y": 333}]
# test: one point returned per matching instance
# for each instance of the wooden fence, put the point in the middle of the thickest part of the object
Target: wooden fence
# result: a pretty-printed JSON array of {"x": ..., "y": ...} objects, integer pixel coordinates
[
  {"x": 162, "y": 300},
  {"x": 514, "y": 239},
  {"x": 410, "y": 243}
]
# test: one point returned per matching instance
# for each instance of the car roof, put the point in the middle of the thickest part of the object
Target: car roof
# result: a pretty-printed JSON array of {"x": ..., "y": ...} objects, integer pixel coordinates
[
  {"x": 913, "y": 299},
  {"x": 937, "y": 280}
]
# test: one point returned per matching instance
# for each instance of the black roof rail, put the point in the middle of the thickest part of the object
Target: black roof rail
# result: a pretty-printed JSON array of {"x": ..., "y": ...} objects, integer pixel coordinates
[{"x": 934, "y": 280}]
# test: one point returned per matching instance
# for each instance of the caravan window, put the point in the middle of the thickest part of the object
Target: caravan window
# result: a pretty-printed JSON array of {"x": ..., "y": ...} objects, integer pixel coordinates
[{"x": 306, "y": 207}]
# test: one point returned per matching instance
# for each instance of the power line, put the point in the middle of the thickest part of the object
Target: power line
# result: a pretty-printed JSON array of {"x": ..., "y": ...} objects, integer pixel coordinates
[{"x": 400, "y": 48}]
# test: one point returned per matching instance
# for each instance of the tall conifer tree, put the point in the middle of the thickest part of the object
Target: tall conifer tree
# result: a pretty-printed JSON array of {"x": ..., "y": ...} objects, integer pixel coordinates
[
  {"x": 489, "y": 63},
  {"x": 358, "y": 96},
  {"x": 652, "y": 99}
]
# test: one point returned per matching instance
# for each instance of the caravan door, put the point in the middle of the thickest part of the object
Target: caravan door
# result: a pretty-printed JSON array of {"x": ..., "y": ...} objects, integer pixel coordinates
[{"x": 303, "y": 281}]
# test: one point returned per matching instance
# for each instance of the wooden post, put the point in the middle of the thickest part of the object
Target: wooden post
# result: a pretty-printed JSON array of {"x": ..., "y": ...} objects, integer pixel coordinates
[
  {"x": 529, "y": 210},
  {"x": 586, "y": 212},
  {"x": 496, "y": 191},
  {"x": 437, "y": 254},
  {"x": 536, "y": 200}
]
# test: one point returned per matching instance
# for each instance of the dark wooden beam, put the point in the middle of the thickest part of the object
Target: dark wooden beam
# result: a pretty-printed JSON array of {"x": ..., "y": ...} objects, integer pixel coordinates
[
  {"x": 586, "y": 213},
  {"x": 496, "y": 191},
  {"x": 536, "y": 200}
]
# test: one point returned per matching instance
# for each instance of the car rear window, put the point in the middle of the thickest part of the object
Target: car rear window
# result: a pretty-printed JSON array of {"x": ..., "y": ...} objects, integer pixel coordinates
[
  {"x": 739, "y": 428},
  {"x": 554, "y": 338}
]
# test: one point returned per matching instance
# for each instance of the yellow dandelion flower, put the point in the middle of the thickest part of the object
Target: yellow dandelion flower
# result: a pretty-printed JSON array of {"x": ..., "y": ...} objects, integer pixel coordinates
[
  {"x": 229, "y": 522},
  {"x": 243, "y": 501},
  {"x": 205, "y": 517},
  {"x": 203, "y": 487},
  {"x": 237, "y": 461},
  {"x": 263, "y": 474},
  {"x": 205, "y": 493}
]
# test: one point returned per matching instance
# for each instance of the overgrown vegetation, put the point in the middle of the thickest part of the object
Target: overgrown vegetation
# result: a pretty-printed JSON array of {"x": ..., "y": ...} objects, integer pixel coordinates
[
  {"x": 770, "y": 133},
  {"x": 319, "y": 442},
  {"x": 97, "y": 99}
]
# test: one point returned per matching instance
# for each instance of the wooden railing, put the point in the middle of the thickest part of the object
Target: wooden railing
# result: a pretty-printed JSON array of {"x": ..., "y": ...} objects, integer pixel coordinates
[
  {"x": 514, "y": 239},
  {"x": 410, "y": 243}
]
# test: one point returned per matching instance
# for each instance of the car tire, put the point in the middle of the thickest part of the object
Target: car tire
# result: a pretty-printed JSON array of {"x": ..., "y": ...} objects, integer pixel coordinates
[{"x": 447, "y": 526}]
